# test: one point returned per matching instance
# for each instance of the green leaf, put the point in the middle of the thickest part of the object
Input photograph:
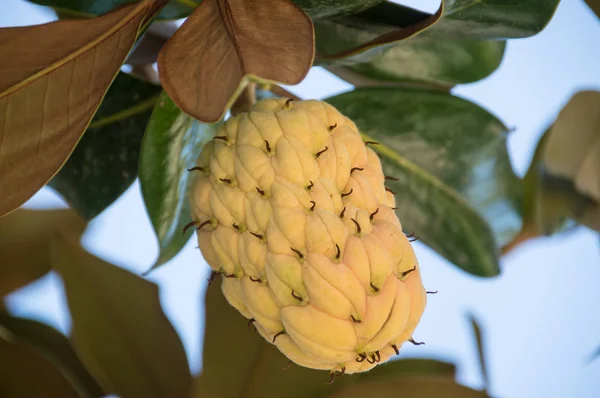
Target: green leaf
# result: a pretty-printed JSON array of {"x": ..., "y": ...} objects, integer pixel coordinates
[
  {"x": 420, "y": 58},
  {"x": 358, "y": 39},
  {"x": 480, "y": 352},
  {"x": 456, "y": 187},
  {"x": 255, "y": 368},
  {"x": 436, "y": 62},
  {"x": 594, "y": 6},
  {"x": 410, "y": 387},
  {"x": 170, "y": 147},
  {"x": 105, "y": 161},
  {"x": 24, "y": 244},
  {"x": 464, "y": 45},
  {"x": 320, "y": 9},
  {"x": 55, "y": 347},
  {"x": 26, "y": 374},
  {"x": 174, "y": 9},
  {"x": 494, "y": 19},
  {"x": 119, "y": 329},
  {"x": 409, "y": 367}
]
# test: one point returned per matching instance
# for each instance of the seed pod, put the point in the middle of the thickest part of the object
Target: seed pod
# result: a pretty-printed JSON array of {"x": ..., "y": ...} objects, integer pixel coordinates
[{"x": 305, "y": 237}]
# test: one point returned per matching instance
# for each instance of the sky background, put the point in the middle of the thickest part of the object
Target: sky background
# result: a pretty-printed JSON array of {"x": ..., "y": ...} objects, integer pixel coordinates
[{"x": 540, "y": 318}]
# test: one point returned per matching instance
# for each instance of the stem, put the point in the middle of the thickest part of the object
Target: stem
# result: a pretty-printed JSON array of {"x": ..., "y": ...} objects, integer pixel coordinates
[
  {"x": 245, "y": 100},
  {"x": 528, "y": 232},
  {"x": 188, "y": 3},
  {"x": 125, "y": 113}
]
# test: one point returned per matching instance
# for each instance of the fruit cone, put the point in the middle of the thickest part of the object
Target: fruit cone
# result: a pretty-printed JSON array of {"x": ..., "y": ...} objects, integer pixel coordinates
[{"x": 291, "y": 209}]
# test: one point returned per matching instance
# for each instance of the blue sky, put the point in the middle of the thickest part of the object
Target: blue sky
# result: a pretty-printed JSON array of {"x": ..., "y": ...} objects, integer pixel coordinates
[{"x": 540, "y": 317}]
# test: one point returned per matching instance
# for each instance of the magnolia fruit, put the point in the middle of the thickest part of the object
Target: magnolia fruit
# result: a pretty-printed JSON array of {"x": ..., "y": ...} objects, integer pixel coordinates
[{"x": 291, "y": 209}]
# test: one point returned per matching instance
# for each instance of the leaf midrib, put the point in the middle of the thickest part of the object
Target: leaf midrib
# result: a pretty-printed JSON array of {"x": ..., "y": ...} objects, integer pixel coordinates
[
  {"x": 228, "y": 22},
  {"x": 135, "y": 12}
]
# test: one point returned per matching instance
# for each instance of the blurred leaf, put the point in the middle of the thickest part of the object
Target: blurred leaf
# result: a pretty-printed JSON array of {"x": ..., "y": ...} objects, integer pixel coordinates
[
  {"x": 52, "y": 79},
  {"x": 171, "y": 146},
  {"x": 410, "y": 387},
  {"x": 228, "y": 49},
  {"x": 255, "y": 368},
  {"x": 453, "y": 168},
  {"x": 594, "y": 6},
  {"x": 105, "y": 161},
  {"x": 26, "y": 374},
  {"x": 408, "y": 367},
  {"x": 24, "y": 244},
  {"x": 573, "y": 148},
  {"x": 174, "y": 9},
  {"x": 55, "y": 347},
  {"x": 463, "y": 46},
  {"x": 563, "y": 180},
  {"x": 119, "y": 329},
  {"x": 480, "y": 352},
  {"x": 319, "y": 9}
]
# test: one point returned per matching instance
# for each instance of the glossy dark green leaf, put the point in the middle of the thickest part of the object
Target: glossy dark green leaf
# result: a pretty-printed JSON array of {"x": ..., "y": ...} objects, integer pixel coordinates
[
  {"x": 438, "y": 62},
  {"x": 355, "y": 39},
  {"x": 171, "y": 145},
  {"x": 105, "y": 161},
  {"x": 55, "y": 347},
  {"x": 494, "y": 19},
  {"x": 255, "y": 368},
  {"x": 119, "y": 329},
  {"x": 455, "y": 188},
  {"x": 25, "y": 373},
  {"x": 421, "y": 58},
  {"x": 319, "y": 9},
  {"x": 175, "y": 9},
  {"x": 410, "y": 387},
  {"x": 408, "y": 367},
  {"x": 465, "y": 45},
  {"x": 24, "y": 244}
]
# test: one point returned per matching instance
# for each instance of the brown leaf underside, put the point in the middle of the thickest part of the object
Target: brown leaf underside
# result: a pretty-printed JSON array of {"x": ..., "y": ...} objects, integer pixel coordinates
[
  {"x": 222, "y": 41},
  {"x": 52, "y": 79}
]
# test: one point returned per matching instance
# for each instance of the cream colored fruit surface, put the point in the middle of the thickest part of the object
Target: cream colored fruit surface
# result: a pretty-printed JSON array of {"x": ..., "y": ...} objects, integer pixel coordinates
[{"x": 292, "y": 211}]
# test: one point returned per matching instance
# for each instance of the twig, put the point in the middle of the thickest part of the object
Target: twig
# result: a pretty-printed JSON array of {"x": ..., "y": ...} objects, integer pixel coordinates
[
  {"x": 245, "y": 100},
  {"x": 527, "y": 233}
]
